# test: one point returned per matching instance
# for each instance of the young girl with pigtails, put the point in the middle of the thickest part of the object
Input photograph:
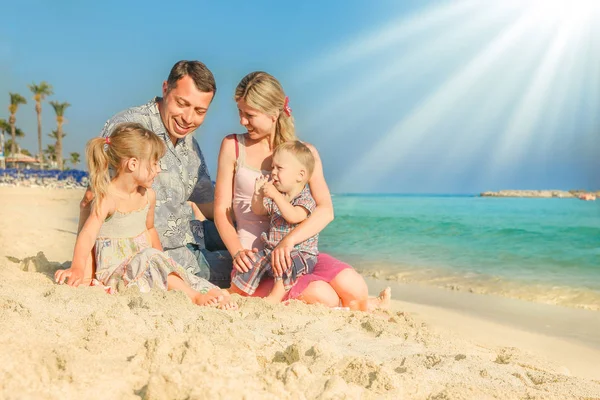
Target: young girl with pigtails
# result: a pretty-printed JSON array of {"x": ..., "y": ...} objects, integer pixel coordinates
[{"x": 121, "y": 225}]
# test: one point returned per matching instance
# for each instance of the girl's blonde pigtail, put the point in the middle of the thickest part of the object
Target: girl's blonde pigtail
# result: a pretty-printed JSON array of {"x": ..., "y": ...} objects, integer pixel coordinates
[{"x": 97, "y": 161}]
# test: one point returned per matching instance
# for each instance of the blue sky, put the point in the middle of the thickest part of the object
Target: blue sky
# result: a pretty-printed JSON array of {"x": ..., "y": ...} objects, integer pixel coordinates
[{"x": 401, "y": 97}]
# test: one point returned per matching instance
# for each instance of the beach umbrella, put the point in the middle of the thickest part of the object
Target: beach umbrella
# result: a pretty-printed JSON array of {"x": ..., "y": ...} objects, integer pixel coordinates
[{"x": 21, "y": 158}]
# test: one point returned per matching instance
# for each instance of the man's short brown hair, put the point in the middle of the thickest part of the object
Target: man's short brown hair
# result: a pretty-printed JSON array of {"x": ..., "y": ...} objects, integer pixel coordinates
[{"x": 200, "y": 74}]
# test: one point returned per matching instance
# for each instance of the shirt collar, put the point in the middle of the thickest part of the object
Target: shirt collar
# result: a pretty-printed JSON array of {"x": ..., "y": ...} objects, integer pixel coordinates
[{"x": 153, "y": 106}]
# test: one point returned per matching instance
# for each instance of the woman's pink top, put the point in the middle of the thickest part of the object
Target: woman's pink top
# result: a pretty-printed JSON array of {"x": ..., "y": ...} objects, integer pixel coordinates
[{"x": 250, "y": 226}]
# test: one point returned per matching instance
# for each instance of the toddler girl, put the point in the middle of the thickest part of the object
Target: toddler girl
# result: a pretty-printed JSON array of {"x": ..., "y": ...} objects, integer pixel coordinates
[{"x": 121, "y": 224}]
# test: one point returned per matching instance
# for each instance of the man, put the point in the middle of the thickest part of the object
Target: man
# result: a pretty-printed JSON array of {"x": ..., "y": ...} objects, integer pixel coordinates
[{"x": 186, "y": 96}]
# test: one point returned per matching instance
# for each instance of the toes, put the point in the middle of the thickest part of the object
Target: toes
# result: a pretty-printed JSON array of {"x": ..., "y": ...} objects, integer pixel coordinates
[{"x": 213, "y": 302}]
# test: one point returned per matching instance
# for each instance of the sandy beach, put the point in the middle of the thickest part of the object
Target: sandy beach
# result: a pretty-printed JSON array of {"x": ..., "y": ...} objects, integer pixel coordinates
[{"x": 63, "y": 343}]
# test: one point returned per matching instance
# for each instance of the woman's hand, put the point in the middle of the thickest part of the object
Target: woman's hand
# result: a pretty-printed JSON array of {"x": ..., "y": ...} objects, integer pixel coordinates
[
  {"x": 244, "y": 259},
  {"x": 280, "y": 256}
]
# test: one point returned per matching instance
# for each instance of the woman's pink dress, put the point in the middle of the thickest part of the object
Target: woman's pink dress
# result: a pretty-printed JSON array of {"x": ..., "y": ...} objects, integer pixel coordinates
[{"x": 250, "y": 226}]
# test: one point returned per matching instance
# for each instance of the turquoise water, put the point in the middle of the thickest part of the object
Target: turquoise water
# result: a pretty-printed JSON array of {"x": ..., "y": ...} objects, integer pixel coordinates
[{"x": 551, "y": 242}]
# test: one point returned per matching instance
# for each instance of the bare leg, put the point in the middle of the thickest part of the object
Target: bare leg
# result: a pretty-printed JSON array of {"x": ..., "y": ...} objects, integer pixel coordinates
[
  {"x": 352, "y": 289},
  {"x": 212, "y": 298},
  {"x": 277, "y": 293},
  {"x": 235, "y": 289},
  {"x": 320, "y": 292}
]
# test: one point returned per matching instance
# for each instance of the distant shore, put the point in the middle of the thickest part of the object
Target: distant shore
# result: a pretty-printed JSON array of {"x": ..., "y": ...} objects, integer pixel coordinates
[{"x": 562, "y": 194}]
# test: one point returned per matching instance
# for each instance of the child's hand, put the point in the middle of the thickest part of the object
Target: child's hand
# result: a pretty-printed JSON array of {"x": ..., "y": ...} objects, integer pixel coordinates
[
  {"x": 74, "y": 275},
  {"x": 258, "y": 184},
  {"x": 269, "y": 190}
]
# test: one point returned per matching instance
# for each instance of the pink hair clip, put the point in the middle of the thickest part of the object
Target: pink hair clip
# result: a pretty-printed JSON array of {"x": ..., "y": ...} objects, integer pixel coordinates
[
  {"x": 107, "y": 140},
  {"x": 286, "y": 107}
]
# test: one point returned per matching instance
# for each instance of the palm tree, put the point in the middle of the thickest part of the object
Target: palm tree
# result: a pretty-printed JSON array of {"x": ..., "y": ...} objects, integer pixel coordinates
[
  {"x": 54, "y": 135},
  {"x": 39, "y": 93},
  {"x": 15, "y": 100},
  {"x": 8, "y": 144},
  {"x": 4, "y": 127},
  {"x": 75, "y": 159},
  {"x": 59, "y": 109},
  {"x": 50, "y": 152}
]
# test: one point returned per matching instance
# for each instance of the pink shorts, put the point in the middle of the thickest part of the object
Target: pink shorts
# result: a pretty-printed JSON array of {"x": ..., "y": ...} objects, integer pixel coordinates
[{"x": 326, "y": 269}]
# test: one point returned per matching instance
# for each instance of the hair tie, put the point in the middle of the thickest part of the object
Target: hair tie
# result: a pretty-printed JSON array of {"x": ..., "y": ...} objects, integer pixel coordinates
[
  {"x": 286, "y": 107},
  {"x": 107, "y": 140}
]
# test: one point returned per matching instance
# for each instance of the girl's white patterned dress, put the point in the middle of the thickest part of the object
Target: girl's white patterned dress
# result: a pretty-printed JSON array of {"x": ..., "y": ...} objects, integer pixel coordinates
[{"x": 124, "y": 252}]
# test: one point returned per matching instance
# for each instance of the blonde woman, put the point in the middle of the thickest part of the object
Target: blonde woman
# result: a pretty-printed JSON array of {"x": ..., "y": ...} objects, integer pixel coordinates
[
  {"x": 265, "y": 114},
  {"x": 121, "y": 223}
]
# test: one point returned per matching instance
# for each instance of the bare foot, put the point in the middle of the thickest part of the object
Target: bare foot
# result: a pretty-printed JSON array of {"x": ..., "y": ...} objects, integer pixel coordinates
[
  {"x": 381, "y": 302},
  {"x": 272, "y": 300},
  {"x": 213, "y": 298},
  {"x": 227, "y": 303},
  {"x": 277, "y": 293}
]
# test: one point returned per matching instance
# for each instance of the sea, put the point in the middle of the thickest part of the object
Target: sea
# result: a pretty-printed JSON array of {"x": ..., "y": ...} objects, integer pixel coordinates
[{"x": 542, "y": 250}]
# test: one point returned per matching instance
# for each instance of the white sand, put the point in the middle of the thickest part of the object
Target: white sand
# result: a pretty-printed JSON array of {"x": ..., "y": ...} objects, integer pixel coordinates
[{"x": 64, "y": 343}]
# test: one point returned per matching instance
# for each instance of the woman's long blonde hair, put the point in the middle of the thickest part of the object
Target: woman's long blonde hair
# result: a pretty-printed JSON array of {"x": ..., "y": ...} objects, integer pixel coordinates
[
  {"x": 263, "y": 92},
  {"x": 127, "y": 140}
]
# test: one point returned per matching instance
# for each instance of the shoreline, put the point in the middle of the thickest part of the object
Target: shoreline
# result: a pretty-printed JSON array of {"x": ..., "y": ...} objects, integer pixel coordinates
[
  {"x": 568, "y": 337},
  {"x": 433, "y": 343},
  {"x": 547, "y": 293}
]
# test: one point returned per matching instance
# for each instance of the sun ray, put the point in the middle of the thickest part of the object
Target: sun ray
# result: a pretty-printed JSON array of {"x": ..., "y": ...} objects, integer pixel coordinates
[
  {"x": 406, "y": 134},
  {"x": 518, "y": 137},
  {"x": 487, "y": 104},
  {"x": 590, "y": 143},
  {"x": 414, "y": 61},
  {"x": 568, "y": 92},
  {"x": 398, "y": 30}
]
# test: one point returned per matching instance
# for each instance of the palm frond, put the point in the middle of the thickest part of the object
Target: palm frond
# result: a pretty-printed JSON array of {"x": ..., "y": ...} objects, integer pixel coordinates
[
  {"x": 54, "y": 134},
  {"x": 42, "y": 90},
  {"x": 59, "y": 108},
  {"x": 50, "y": 151},
  {"x": 75, "y": 158},
  {"x": 4, "y": 125},
  {"x": 16, "y": 99}
]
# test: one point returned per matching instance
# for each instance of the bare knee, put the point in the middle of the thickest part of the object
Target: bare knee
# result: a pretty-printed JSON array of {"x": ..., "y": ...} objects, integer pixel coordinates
[
  {"x": 350, "y": 287},
  {"x": 319, "y": 292}
]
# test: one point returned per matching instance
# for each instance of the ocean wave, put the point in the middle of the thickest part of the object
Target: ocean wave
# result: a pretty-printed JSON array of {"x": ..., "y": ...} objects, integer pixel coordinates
[{"x": 547, "y": 293}]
